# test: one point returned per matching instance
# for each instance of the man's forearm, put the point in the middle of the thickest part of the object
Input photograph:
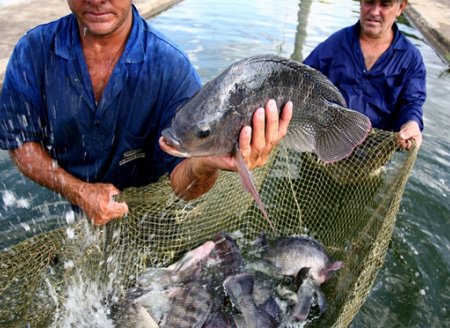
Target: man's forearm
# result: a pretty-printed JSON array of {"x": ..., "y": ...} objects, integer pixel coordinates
[
  {"x": 33, "y": 161},
  {"x": 191, "y": 179}
]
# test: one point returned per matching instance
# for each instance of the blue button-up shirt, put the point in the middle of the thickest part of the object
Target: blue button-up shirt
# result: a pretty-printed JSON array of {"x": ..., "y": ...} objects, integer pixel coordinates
[
  {"x": 47, "y": 97},
  {"x": 391, "y": 93}
]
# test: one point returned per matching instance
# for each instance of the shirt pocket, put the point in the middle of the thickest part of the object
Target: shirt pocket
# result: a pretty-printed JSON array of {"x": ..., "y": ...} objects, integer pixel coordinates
[{"x": 132, "y": 159}]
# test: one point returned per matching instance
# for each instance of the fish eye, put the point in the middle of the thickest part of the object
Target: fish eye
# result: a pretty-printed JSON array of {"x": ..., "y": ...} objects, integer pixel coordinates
[{"x": 203, "y": 130}]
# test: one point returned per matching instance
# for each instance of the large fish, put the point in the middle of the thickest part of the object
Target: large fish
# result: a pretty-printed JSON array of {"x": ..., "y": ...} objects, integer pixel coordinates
[{"x": 209, "y": 123}]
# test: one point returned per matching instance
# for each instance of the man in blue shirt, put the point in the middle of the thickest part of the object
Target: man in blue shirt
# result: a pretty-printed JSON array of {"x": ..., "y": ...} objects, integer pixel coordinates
[
  {"x": 85, "y": 99},
  {"x": 379, "y": 72}
]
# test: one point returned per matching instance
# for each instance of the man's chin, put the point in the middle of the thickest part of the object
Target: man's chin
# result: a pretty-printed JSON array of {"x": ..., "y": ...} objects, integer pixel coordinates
[
  {"x": 372, "y": 30},
  {"x": 99, "y": 29}
]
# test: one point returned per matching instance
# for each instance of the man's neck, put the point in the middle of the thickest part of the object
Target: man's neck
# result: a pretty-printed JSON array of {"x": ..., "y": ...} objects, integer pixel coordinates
[
  {"x": 374, "y": 47},
  {"x": 101, "y": 54}
]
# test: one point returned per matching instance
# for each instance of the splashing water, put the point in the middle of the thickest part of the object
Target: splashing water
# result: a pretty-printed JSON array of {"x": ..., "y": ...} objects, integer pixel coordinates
[
  {"x": 84, "y": 306},
  {"x": 87, "y": 297}
]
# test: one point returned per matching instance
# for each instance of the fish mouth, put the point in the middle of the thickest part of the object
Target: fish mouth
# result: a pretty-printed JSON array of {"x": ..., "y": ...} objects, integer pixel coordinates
[{"x": 169, "y": 143}]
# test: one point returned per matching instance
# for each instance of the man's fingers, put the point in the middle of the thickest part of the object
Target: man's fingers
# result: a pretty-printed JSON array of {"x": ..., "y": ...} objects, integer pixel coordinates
[
  {"x": 408, "y": 132},
  {"x": 258, "y": 137},
  {"x": 244, "y": 142},
  {"x": 272, "y": 124},
  {"x": 100, "y": 206},
  {"x": 268, "y": 130},
  {"x": 286, "y": 116}
]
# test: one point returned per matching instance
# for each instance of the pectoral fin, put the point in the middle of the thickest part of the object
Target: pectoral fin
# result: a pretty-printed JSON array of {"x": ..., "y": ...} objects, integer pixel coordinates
[
  {"x": 332, "y": 134},
  {"x": 248, "y": 183},
  {"x": 305, "y": 296}
]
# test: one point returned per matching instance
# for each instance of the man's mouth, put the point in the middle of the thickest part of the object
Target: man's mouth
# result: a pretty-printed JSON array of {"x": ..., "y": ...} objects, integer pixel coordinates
[{"x": 373, "y": 20}]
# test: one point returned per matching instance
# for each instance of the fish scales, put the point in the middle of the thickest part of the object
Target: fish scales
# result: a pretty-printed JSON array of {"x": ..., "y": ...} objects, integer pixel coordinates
[
  {"x": 190, "y": 308},
  {"x": 283, "y": 80}
]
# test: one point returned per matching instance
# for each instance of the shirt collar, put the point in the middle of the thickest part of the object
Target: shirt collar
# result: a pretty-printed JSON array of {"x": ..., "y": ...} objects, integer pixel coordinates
[{"x": 67, "y": 39}]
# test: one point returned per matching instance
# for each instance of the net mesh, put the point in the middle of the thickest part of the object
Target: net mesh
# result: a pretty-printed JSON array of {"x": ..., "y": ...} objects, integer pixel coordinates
[{"x": 349, "y": 206}]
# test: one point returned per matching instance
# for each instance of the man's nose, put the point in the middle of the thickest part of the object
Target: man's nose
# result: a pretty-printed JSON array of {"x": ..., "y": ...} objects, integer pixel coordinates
[{"x": 375, "y": 9}]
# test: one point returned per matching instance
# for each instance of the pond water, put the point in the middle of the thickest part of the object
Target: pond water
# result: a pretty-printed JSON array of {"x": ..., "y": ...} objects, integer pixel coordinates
[{"x": 413, "y": 287}]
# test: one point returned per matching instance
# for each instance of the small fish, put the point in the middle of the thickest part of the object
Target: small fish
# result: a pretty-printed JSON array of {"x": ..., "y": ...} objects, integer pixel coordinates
[
  {"x": 191, "y": 307},
  {"x": 187, "y": 268},
  {"x": 209, "y": 124},
  {"x": 240, "y": 289},
  {"x": 140, "y": 317},
  {"x": 156, "y": 300},
  {"x": 306, "y": 260}
]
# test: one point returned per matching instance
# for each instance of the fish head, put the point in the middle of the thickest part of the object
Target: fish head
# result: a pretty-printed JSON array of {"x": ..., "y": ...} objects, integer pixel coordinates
[{"x": 207, "y": 125}]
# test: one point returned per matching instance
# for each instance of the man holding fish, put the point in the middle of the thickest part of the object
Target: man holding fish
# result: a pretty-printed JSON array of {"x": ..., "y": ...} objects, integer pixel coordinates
[{"x": 85, "y": 99}]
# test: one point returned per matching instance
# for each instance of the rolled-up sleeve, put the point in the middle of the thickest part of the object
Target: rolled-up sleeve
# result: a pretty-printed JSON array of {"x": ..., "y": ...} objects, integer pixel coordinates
[{"x": 21, "y": 116}]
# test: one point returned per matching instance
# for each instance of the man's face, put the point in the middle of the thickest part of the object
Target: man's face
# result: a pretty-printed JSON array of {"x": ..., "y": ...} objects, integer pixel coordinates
[
  {"x": 378, "y": 16},
  {"x": 101, "y": 17}
]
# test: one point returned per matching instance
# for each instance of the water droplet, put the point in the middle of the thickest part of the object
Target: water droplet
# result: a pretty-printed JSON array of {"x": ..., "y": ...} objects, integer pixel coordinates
[
  {"x": 8, "y": 198},
  {"x": 22, "y": 203},
  {"x": 69, "y": 264},
  {"x": 70, "y": 233},
  {"x": 70, "y": 217},
  {"x": 25, "y": 226}
]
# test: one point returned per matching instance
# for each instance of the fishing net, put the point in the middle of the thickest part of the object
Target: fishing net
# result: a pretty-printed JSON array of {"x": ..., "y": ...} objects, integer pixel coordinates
[{"x": 349, "y": 206}]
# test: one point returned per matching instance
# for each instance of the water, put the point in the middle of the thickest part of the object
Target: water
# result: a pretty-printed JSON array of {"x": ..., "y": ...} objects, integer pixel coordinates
[{"x": 413, "y": 287}]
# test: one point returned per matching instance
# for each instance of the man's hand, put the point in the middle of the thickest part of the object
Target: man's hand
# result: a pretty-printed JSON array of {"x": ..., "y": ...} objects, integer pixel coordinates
[
  {"x": 97, "y": 201},
  {"x": 268, "y": 130},
  {"x": 410, "y": 131}
]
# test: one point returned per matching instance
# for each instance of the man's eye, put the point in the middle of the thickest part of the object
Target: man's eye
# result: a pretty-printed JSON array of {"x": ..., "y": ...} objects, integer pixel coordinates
[{"x": 386, "y": 3}]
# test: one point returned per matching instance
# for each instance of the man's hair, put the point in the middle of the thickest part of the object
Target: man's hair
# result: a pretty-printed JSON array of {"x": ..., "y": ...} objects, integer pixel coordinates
[{"x": 399, "y": 1}]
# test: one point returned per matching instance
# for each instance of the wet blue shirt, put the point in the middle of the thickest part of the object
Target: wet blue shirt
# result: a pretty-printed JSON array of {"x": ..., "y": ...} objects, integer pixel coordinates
[
  {"x": 391, "y": 93},
  {"x": 47, "y": 97}
]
